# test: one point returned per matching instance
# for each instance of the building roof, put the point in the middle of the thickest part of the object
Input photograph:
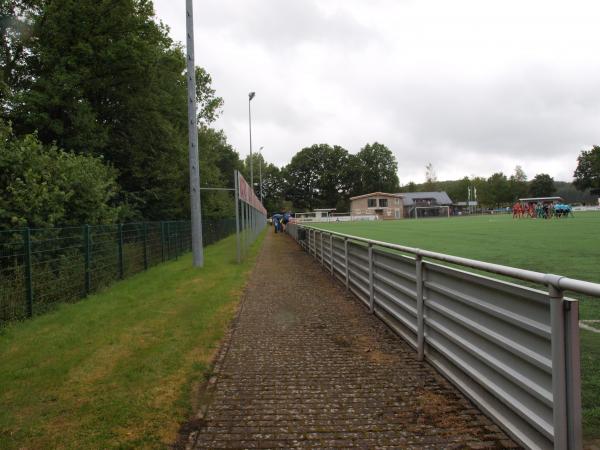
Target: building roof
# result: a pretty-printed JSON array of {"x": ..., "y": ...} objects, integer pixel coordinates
[
  {"x": 541, "y": 199},
  {"x": 441, "y": 198},
  {"x": 378, "y": 194}
]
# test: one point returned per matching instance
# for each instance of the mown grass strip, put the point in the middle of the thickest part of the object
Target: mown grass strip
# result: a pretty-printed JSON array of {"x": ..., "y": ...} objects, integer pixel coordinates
[{"x": 116, "y": 370}]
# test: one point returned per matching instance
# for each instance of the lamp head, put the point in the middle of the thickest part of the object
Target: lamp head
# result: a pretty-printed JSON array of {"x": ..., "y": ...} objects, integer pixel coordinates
[{"x": 251, "y": 95}]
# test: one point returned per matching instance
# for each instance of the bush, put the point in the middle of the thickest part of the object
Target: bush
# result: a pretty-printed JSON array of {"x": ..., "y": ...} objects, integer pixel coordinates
[{"x": 46, "y": 186}]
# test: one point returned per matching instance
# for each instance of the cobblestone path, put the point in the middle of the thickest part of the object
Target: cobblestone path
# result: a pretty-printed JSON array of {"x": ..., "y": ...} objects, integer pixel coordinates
[{"x": 307, "y": 366}]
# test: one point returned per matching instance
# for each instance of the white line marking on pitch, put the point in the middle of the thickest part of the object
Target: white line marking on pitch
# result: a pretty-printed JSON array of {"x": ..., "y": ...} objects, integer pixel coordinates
[{"x": 588, "y": 327}]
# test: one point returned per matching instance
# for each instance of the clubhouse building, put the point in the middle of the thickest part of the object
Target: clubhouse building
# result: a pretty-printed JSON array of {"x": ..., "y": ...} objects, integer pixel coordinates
[{"x": 397, "y": 206}]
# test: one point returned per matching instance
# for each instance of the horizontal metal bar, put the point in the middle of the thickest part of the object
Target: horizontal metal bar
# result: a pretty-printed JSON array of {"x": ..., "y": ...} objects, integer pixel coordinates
[
  {"x": 508, "y": 316},
  {"x": 216, "y": 189},
  {"x": 493, "y": 362},
  {"x": 516, "y": 348}
]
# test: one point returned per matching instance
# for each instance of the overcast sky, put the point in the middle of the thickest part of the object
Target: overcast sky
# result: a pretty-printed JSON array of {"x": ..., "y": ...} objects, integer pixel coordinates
[{"x": 472, "y": 86}]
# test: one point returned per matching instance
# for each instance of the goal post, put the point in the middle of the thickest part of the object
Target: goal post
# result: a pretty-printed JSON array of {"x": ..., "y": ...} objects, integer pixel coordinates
[{"x": 432, "y": 211}]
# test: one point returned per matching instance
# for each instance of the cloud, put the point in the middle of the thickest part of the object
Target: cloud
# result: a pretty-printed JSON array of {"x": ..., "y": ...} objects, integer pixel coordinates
[{"x": 474, "y": 87}]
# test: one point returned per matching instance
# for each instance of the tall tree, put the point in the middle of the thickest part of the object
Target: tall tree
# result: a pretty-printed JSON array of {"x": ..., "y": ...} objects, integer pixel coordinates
[
  {"x": 518, "y": 184},
  {"x": 107, "y": 80},
  {"x": 587, "y": 173},
  {"x": 542, "y": 185},
  {"x": 209, "y": 105},
  {"x": 316, "y": 176},
  {"x": 376, "y": 170},
  {"x": 16, "y": 19},
  {"x": 498, "y": 190},
  {"x": 430, "y": 178}
]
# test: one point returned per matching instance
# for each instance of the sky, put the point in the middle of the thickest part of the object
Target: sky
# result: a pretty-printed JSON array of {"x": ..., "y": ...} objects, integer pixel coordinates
[{"x": 472, "y": 86}]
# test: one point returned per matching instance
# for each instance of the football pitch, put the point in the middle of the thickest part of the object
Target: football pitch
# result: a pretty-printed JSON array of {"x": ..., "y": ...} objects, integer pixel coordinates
[{"x": 568, "y": 247}]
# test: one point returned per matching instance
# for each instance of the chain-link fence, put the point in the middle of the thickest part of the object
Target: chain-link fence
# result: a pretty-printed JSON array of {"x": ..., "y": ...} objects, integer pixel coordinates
[{"x": 42, "y": 267}]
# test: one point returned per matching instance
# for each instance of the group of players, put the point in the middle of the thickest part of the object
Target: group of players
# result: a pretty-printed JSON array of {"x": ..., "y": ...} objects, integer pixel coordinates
[{"x": 541, "y": 210}]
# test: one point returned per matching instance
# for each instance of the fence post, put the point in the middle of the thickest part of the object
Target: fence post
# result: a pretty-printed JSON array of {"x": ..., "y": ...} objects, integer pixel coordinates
[
  {"x": 176, "y": 240},
  {"x": 371, "y": 284},
  {"x": 168, "y": 240},
  {"x": 120, "y": 245},
  {"x": 28, "y": 270},
  {"x": 88, "y": 258},
  {"x": 573, "y": 362},
  {"x": 145, "y": 234},
  {"x": 322, "y": 254},
  {"x": 347, "y": 267},
  {"x": 559, "y": 392},
  {"x": 162, "y": 241},
  {"x": 331, "y": 253},
  {"x": 420, "y": 309}
]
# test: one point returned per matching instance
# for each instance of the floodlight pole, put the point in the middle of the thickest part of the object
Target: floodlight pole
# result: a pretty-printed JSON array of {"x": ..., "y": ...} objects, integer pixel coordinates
[
  {"x": 250, "y": 97},
  {"x": 196, "y": 212}
]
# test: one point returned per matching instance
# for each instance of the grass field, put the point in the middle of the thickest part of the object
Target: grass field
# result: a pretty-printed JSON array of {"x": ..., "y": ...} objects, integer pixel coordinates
[
  {"x": 569, "y": 247},
  {"x": 118, "y": 369}
]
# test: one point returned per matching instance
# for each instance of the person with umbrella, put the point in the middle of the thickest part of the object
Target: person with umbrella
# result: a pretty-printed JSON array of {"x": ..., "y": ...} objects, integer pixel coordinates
[{"x": 277, "y": 222}]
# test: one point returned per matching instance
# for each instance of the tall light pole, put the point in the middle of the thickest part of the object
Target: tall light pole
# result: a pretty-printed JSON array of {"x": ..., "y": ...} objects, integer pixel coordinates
[
  {"x": 196, "y": 212},
  {"x": 260, "y": 173},
  {"x": 250, "y": 97}
]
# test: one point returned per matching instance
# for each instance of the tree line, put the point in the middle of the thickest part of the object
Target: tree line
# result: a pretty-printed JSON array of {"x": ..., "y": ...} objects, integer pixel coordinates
[{"x": 324, "y": 176}]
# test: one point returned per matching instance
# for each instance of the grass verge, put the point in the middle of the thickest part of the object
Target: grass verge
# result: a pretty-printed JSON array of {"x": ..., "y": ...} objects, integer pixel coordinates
[{"x": 116, "y": 370}]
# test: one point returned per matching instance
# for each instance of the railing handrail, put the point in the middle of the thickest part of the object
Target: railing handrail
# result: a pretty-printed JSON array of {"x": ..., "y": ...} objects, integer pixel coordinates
[{"x": 559, "y": 282}]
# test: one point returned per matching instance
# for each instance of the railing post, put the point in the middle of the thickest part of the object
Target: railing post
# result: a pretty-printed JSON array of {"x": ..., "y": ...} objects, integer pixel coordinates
[
  {"x": 420, "y": 309},
  {"x": 331, "y": 253},
  {"x": 87, "y": 247},
  {"x": 145, "y": 235},
  {"x": 322, "y": 255},
  {"x": 573, "y": 377},
  {"x": 559, "y": 391},
  {"x": 347, "y": 268},
  {"x": 120, "y": 248},
  {"x": 162, "y": 241},
  {"x": 28, "y": 271},
  {"x": 371, "y": 284}
]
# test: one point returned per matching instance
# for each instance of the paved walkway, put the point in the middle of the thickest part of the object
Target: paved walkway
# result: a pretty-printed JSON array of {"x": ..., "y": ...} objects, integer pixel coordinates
[{"x": 307, "y": 366}]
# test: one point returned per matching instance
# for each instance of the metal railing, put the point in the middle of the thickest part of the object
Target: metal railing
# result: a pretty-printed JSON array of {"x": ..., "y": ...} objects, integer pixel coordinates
[
  {"x": 42, "y": 267},
  {"x": 513, "y": 350}
]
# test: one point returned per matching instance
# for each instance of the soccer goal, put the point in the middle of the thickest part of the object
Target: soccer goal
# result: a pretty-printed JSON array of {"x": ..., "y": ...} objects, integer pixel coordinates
[{"x": 422, "y": 212}]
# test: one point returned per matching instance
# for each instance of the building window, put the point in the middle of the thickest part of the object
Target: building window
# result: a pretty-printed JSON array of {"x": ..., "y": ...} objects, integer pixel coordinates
[
  {"x": 372, "y": 203},
  {"x": 397, "y": 201},
  {"x": 383, "y": 203}
]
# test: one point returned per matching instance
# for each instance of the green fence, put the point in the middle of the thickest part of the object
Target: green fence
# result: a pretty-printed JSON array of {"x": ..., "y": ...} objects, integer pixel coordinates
[{"x": 42, "y": 267}]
